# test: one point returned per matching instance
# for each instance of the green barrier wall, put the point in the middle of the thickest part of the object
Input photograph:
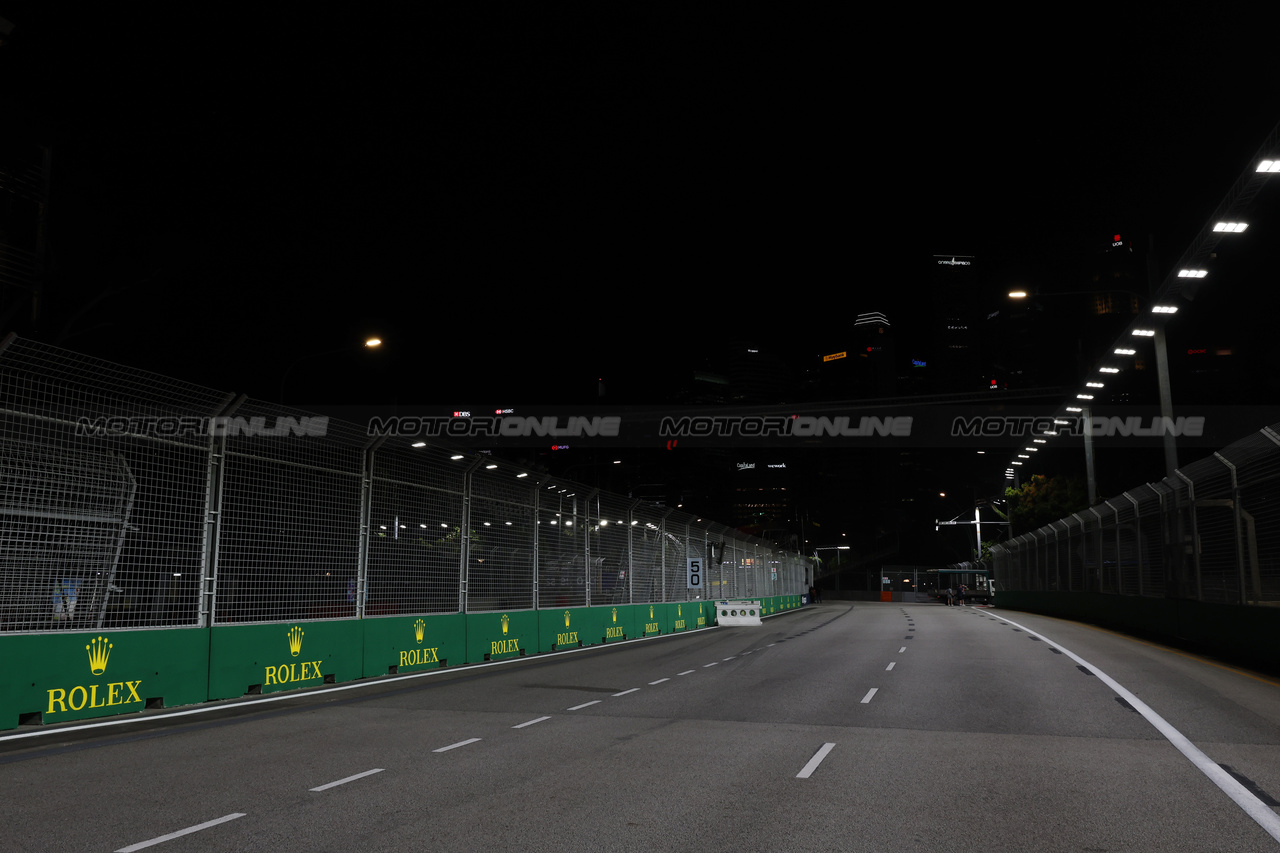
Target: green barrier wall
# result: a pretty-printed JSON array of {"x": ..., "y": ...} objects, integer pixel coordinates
[
  {"x": 571, "y": 628},
  {"x": 619, "y": 622},
  {"x": 397, "y": 644},
  {"x": 53, "y": 678},
  {"x": 283, "y": 656},
  {"x": 498, "y": 636}
]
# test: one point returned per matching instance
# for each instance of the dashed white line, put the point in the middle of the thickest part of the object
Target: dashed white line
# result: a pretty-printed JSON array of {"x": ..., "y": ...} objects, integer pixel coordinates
[
  {"x": 901, "y": 650},
  {"x": 808, "y": 769},
  {"x": 660, "y": 680},
  {"x": 456, "y": 745},
  {"x": 686, "y": 672},
  {"x": 870, "y": 693},
  {"x": 530, "y": 722},
  {"x": 889, "y": 667},
  {"x": 713, "y": 663},
  {"x": 349, "y": 779},
  {"x": 625, "y": 692},
  {"x": 181, "y": 832},
  {"x": 731, "y": 657},
  {"x": 585, "y": 705}
]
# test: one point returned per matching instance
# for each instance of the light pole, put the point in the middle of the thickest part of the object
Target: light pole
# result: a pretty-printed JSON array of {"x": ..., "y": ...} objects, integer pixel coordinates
[
  {"x": 1147, "y": 326},
  {"x": 371, "y": 343}
]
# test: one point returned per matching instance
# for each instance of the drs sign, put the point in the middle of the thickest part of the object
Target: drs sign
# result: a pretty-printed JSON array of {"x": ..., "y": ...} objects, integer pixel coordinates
[{"x": 695, "y": 573}]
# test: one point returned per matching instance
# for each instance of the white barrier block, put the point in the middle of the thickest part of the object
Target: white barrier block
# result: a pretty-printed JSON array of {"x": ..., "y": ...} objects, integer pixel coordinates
[{"x": 735, "y": 613}]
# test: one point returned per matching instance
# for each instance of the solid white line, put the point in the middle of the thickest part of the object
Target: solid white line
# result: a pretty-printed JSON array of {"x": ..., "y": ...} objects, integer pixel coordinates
[
  {"x": 530, "y": 722},
  {"x": 625, "y": 692},
  {"x": 889, "y": 667},
  {"x": 815, "y": 761},
  {"x": 870, "y": 693},
  {"x": 686, "y": 672},
  {"x": 456, "y": 745},
  {"x": 660, "y": 680},
  {"x": 585, "y": 705},
  {"x": 348, "y": 779},
  {"x": 1239, "y": 794},
  {"x": 180, "y": 833}
]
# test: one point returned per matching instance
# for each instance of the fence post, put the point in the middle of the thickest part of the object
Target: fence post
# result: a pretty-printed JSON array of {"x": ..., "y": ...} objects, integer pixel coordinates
[
  {"x": 1235, "y": 512},
  {"x": 1137, "y": 540},
  {"x": 464, "y": 549},
  {"x": 214, "y": 481},
  {"x": 366, "y": 520},
  {"x": 1195, "y": 531},
  {"x": 593, "y": 495},
  {"x": 1119, "y": 561},
  {"x": 537, "y": 562}
]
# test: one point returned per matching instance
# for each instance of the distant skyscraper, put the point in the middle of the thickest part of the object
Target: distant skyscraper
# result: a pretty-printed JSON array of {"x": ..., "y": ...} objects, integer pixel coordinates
[{"x": 951, "y": 344}]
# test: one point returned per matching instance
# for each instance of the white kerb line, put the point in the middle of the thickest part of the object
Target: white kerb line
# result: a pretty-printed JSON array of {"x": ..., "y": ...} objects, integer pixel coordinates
[
  {"x": 808, "y": 769},
  {"x": 1240, "y": 795},
  {"x": 181, "y": 832}
]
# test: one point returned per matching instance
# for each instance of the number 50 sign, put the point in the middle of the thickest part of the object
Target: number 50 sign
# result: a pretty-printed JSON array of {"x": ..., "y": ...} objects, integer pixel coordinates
[{"x": 695, "y": 572}]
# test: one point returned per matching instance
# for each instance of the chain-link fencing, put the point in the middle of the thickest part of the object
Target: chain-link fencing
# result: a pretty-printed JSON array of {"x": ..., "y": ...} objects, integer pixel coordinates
[
  {"x": 1209, "y": 533},
  {"x": 128, "y": 499}
]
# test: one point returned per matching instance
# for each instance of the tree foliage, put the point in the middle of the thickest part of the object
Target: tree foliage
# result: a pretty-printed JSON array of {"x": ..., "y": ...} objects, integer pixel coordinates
[{"x": 1043, "y": 499}]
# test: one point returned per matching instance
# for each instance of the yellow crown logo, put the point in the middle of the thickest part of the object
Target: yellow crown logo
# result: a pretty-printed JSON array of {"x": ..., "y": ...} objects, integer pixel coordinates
[
  {"x": 566, "y": 618},
  {"x": 615, "y": 614},
  {"x": 419, "y": 628},
  {"x": 99, "y": 650},
  {"x": 650, "y": 611},
  {"x": 295, "y": 641},
  {"x": 505, "y": 621},
  {"x": 678, "y": 610}
]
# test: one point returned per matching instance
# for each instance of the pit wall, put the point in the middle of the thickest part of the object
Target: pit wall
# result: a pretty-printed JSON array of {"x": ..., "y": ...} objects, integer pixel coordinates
[
  {"x": 55, "y": 678},
  {"x": 1243, "y": 633}
]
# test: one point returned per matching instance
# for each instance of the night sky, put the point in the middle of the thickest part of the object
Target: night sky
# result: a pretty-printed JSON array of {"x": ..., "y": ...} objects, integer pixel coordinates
[{"x": 523, "y": 199}]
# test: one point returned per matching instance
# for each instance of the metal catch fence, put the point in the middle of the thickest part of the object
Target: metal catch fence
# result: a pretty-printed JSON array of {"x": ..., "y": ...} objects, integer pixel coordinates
[
  {"x": 1209, "y": 533},
  {"x": 129, "y": 499}
]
